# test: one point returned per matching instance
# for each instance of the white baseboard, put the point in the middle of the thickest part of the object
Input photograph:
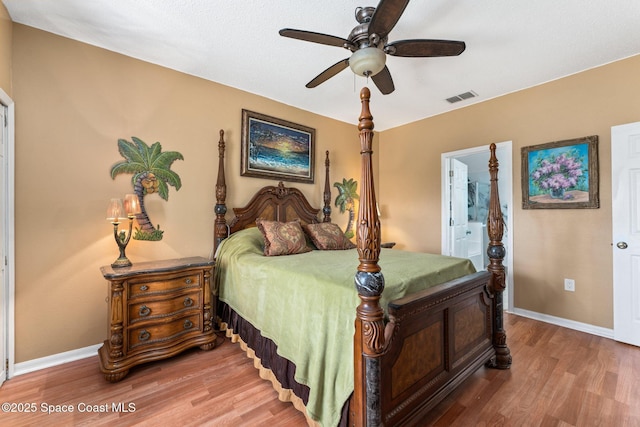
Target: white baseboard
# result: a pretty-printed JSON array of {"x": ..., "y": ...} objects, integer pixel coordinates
[
  {"x": 566, "y": 323},
  {"x": 54, "y": 360},
  {"x": 81, "y": 353}
]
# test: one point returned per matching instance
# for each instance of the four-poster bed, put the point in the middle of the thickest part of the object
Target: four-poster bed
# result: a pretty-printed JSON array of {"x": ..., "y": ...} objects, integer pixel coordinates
[{"x": 442, "y": 320}]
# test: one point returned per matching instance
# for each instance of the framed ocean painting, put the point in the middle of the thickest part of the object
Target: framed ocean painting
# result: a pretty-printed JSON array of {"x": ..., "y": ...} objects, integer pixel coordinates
[
  {"x": 276, "y": 149},
  {"x": 561, "y": 174}
]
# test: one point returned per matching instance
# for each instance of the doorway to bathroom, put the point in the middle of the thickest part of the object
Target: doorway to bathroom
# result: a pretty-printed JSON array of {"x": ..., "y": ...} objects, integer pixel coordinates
[{"x": 465, "y": 203}]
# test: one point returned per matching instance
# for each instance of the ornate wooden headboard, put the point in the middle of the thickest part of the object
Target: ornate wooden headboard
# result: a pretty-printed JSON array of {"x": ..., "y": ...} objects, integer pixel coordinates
[{"x": 276, "y": 203}]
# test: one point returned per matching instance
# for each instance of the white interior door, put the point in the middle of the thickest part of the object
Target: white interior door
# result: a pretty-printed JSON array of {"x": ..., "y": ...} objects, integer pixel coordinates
[
  {"x": 3, "y": 238},
  {"x": 459, "y": 219},
  {"x": 7, "y": 235},
  {"x": 625, "y": 182}
]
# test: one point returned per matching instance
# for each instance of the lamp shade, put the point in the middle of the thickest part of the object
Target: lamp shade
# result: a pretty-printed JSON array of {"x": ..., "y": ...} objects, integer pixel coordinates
[
  {"x": 115, "y": 211},
  {"x": 131, "y": 204},
  {"x": 367, "y": 61}
]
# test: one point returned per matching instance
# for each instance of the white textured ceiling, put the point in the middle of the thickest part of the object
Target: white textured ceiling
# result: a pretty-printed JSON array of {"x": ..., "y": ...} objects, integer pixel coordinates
[{"x": 511, "y": 45}]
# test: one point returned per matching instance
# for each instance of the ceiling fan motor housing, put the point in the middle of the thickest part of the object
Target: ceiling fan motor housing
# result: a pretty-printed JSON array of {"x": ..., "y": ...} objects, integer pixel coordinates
[
  {"x": 367, "y": 59},
  {"x": 359, "y": 36}
]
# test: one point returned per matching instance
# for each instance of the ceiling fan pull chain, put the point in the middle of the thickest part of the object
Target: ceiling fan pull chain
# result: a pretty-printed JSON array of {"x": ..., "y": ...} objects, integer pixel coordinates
[{"x": 354, "y": 82}]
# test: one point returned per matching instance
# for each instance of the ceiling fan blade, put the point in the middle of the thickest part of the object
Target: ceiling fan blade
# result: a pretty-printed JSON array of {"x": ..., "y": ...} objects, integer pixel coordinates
[
  {"x": 383, "y": 81},
  {"x": 328, "y": 73},
  {"x": 386, "y": 16},
  {"x": 420, "y": 48},
  {"x": 310, "y": 36}
]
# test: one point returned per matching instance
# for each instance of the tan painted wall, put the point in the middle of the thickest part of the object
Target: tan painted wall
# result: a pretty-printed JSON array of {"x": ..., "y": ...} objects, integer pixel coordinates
[
  {"x": 6, "y": 27},
  {"x": 73, "y": 102},
  {"x": 549, "y": 245}
]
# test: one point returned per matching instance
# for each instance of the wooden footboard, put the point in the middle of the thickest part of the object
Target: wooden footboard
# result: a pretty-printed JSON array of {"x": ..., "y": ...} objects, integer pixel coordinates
[{"x": 435, "y": 339}]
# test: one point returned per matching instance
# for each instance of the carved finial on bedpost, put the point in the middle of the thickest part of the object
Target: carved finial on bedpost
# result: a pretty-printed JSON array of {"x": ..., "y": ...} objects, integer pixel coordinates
[
  {"x": 326, "y": 210},
  {"x": 496, "y": 252},
  {"x": 368, "y": 228},
  {"x": 369, "y": 340},
  {"x": 220, "y": 227}
]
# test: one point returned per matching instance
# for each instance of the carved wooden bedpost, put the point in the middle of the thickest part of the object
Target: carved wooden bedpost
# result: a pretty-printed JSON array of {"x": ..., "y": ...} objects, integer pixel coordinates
[
  {"x": 326, "y": 210},
  {"x": 220, "y": 228},
  {"x": 369, "y": 325},
  {"x": 496, "y": 252}
]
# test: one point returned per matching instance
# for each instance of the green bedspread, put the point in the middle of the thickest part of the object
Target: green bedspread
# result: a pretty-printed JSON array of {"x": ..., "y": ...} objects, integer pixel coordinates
[{"x": 306, "y": 304}]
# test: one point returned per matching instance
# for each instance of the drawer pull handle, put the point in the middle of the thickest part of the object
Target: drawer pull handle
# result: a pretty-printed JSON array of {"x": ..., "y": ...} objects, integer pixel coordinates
[
  {"x": 144, "y": 288},
  {"x": 144, "y": 335},
  {"x": 188, "y": 280},
  {"x": 144, "y": 311},
  {"x": 188, "y": 302},
  {"x": 188, "y": 324}
]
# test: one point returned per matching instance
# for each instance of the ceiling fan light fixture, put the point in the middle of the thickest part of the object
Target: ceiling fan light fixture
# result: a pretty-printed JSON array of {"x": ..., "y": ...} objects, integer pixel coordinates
[{"x": 367, "y": 61}]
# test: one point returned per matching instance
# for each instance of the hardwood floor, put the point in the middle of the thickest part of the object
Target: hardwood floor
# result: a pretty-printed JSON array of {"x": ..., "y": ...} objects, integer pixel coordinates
[{"x": 559, "y": 377}]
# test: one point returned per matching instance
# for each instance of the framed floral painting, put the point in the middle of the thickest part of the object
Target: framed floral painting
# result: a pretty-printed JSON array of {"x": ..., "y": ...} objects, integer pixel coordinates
[{"x": 561, "y": 174}]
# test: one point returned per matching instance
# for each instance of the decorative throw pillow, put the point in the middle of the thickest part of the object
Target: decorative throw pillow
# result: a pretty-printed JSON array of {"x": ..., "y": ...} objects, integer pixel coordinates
[
  {"x": 282, "y": 238},
  {"x": 327, "y": 236}
]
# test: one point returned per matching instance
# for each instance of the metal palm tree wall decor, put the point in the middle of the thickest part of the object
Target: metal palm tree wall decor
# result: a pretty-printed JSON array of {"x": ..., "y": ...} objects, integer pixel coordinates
[
  {"x": 151, "y": 169},
  {"x": 346, "y": 195}
]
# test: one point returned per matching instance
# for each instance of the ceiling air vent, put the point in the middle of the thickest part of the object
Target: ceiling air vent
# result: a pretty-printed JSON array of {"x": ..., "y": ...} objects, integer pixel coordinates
[{"x": 462, "y": 97}]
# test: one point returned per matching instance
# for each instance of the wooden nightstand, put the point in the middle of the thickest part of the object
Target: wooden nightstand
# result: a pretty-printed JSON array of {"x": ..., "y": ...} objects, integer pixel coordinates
[{"x": 156, "y": 310}]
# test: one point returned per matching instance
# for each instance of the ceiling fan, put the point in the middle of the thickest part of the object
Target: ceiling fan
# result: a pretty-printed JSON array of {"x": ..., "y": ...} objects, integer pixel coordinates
[{"x": 369, "y": 47}]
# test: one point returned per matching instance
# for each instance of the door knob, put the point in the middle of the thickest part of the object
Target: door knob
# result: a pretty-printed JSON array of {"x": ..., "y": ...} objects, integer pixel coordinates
[{"x": 622, "y": 245}]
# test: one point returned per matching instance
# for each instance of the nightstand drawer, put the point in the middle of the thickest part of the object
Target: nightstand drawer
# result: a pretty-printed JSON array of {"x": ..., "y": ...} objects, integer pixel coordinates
[
  {"x": 155, "y": 334},
  {"x": 161, "y": 286},
  {"x": 164, "y": 308}
]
